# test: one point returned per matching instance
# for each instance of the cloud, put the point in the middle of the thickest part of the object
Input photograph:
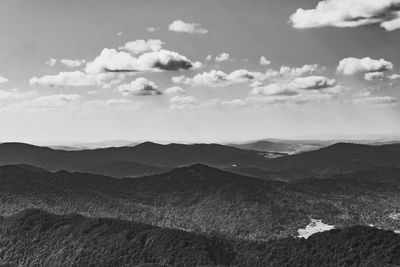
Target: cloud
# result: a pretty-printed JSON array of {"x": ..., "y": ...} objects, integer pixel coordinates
[
  {"x": 394, "y": 76},
  {"x": 139, "y": 87},
  {"x": 16, "y": 94},
  {"x": 72, "y": 79},
  {"x": 152, "y": 29},
  {"x": 375, "y": 100},
  {"x": 72, "y": 63},
  {"x": 111, "y": 60},
  {"x": 311, "y": 85},
  {"x": 180, "y": 102},
  {"x": 216, "y": 78},
  {"x": 222, "y": 57},
  {"x": 142, "y": 46},
  {"x": 351, "y": 65},
  {"x": 3, "y": 79},
  {"x": 264, "y": 61},
  {"x": 175, "y": 90},
  {"x": 51, "y": 62},
  {"x": 371, "y": 76},
  {"x": 181, "y": 26},
  {"x": 346, "y": 13},
  {"x": 209, "y": 58}
]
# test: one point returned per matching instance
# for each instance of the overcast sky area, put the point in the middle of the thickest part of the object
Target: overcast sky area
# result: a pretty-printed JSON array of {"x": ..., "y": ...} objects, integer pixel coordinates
[{"x": 201, "y": 71}]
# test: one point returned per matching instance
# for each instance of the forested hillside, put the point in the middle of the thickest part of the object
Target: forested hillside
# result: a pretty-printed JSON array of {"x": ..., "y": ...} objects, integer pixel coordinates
[
  {"x": 205, "y": 200},
  {"x": 38, "y": 238}
]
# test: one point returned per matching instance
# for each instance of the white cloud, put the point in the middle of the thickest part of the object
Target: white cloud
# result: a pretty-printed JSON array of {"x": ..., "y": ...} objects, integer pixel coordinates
[
  {"x": 216, "y": 78},
  {"x": 351, "y": 65},
  {"x": 16, "y": 94},
  {"x": 394, "y": 76},
  {"x": 139, "y": 87},
  {"x": 152, "y": 29},
  {"x": 313, "y": 83},
  {"x": 264, "y": 61},
  {"x": 180, "y": 102},
  {"x": 181, "y": 26},
  {"x": 209, "y": 58},
  {"x": 301, "y": 87},
  {"x": 72, "y": 63},
  {"x": 175, "y": 90},
  {"x": 142, "y": 46},
  {"x": 73, "y": 79},
  {"x": 111, "y": 60},
  {"x": 51, "y": 62},
  {"x": 222, "y": 57},
  {"x": 3, "y": 79},
  {"x": 375, "y": 100},
  {"x": 370, "y": 76},
  {"x": 51, "y": 101},
  {"x": 349, "y": 13}
]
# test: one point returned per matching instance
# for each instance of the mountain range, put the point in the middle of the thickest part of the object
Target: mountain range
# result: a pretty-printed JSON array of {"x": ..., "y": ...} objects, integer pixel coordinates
[
  {"x": 151, "y": 158},
  {"x": 206, "y": 200},
  {"x": 38, "y": 238}
]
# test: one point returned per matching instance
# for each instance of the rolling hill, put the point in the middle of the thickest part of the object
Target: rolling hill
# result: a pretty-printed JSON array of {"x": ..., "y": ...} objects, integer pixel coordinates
[
  {"x": 205, "y": 200},
  {"x": 38, "y": 238},
  {"x": 143, "y": 159},
  {"x": 339, "y": 158}
]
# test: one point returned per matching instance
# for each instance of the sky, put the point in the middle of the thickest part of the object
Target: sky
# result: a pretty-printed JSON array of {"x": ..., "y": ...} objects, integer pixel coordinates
[{"x": 198, "y": 71}]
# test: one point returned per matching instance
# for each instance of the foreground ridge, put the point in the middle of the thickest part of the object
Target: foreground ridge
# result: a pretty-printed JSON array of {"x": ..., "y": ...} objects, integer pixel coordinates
[{"x": 35, "y": 237}]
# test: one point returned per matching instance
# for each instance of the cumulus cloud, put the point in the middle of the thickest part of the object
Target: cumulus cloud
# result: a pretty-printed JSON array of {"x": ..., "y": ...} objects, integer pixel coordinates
[
  {"x": 222, "y": 57},
  {"x": 351, "y": 65},
  {"x": 3, "y": 79},
  {"x": 72, "y": 79},
  {"x": 313, "y": 83},
  {"x": 51, "y": 101},
  {"x": 152, "y": 29},
  {"x": 215, "y": 78},
  {"x": 394, "y": 76},
  {"x": 264, "y": 61},
  {"x": 346, "y": 13},
  {"x": 209, "y": 58},
  {"x": 73, "y": 63},
  {"x": 139, "y": 87},
  {"x": 310, "y": 85},
  {"x": 181, "y": 26},
  {"x": 111, "y": 60},
  {"x": 142, "y": 46},
  {"x": 51, "y": 62},
  {"x": 175, "y": 90},
  {"x": 180, "y": 102},
  {"x": 371, "y": 76}
]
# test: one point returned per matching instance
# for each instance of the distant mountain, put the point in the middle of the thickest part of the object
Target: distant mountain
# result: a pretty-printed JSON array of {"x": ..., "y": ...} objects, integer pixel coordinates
[
  {"x": 279, "y": 147},
  {"x": 150, "y": 154},
  {"x": 126, "y": 169},
  {"x": 339, "y": 158},
  {"x": 38, "y": 238},
  {"x": 206, "y": 200}
]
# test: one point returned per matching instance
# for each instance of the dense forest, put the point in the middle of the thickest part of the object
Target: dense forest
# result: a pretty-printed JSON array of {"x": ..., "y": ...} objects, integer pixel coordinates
[
  {"x": 38, "y": 238},
  {"x": 207, "y": 200}
]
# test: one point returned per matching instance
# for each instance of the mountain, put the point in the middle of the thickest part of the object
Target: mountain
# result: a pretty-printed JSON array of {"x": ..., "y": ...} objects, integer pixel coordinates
[
  {"x": 279, "y": 147},
  {"x": 203, "y": 199},
  {"x": 125, "y": 169},
  {"x": 39, "y": 238},
  {"x": 339, "y": 158},
  {"x": 146, "y": 158}
]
